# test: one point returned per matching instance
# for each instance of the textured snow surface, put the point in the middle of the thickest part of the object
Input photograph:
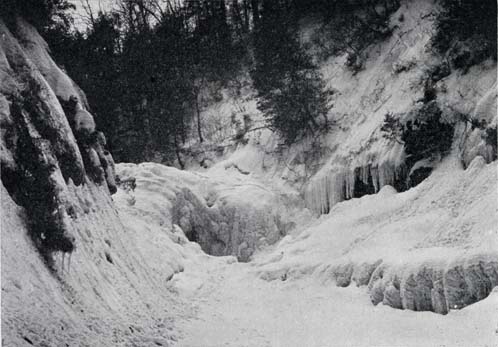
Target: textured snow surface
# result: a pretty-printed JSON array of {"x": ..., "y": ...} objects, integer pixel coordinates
[
  {"x": 288, "y": 295},
  {"x": 325, "y": 172},
  {"x": 109, "y": 291},
  {"x": 163, "y": 289},
  {"x": 226, "y": 212}
]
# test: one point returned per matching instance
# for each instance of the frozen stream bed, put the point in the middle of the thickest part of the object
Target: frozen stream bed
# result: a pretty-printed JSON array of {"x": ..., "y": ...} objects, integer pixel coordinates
[{"x": 234, "y": 307}]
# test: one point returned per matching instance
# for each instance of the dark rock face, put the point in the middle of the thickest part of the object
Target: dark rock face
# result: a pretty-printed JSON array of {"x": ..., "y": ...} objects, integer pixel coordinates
[{"x": 45, "y": 146}]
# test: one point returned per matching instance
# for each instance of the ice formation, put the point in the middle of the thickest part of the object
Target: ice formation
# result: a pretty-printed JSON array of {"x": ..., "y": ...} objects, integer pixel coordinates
[
  {"x": 225, "y": 211},
  {"x": 335, "y": 183},
  {"x": 432, "y": 248}
]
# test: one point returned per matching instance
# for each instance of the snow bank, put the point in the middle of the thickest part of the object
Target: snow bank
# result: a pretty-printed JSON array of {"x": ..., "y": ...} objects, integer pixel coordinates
[{"x": 433, "y": 247}]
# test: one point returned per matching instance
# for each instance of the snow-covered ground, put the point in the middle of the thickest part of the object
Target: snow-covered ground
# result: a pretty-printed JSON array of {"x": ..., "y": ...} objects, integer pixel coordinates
[
  {"x": 236, "y": 308},
  {"x": 287, "y": 294}
]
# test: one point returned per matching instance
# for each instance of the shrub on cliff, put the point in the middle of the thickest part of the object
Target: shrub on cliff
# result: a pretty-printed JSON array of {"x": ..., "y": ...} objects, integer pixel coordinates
[
  {"x": 350, "y": 27},
  {"x": 466, "y": 31},
  {"x": 424, "y": 136}
]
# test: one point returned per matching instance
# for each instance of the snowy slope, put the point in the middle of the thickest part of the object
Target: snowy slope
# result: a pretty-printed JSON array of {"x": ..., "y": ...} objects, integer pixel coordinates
[
  {"x": 362, "y": 100},
  {"x": 109, "y": 290},
  {"x": 433, "y": 247},
  {"x": 288, "y": 295},
  {"x": 106, "y": 293},
  {"x": 393, "y": 79}
]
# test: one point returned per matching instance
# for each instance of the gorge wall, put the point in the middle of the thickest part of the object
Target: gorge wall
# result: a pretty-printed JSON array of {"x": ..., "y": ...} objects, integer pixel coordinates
[{"x": 72, "y": 273}]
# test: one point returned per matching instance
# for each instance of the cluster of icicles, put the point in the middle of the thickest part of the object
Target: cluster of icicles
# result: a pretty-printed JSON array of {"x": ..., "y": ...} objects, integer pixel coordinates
[{"x": 333, "y": 184}]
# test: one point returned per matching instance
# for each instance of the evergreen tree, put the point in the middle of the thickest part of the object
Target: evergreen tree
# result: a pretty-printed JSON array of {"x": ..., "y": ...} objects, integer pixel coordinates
[{"x": 289, "y": 85}]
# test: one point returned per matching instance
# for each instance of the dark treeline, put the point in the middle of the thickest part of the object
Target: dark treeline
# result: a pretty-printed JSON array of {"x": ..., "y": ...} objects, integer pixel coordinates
[
  {"x": 143, "y": 66},
  {"x": 145, "y": 63}
]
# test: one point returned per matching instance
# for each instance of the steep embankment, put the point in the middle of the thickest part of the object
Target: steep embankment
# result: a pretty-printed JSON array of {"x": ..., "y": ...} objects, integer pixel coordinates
[{"x": 72, "y": 273}]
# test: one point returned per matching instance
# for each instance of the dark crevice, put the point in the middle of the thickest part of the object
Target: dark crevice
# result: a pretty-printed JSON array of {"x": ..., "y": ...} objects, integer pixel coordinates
[
  {"x": 109, "y": 258},
  {"x": 27, "y": 340},
  {"x": 360, "y": 187}
]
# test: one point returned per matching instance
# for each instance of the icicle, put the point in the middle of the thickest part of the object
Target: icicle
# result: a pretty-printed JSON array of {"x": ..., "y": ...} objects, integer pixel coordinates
[
  {"x": 63, "y": 256},
  {"x": 350, "y": 183},
  {"x": 325, "y": 190},
  {"x": 69, "y": 263},
  {"x": 374, "y": 172},
  {"x": 364, "y": 173}
]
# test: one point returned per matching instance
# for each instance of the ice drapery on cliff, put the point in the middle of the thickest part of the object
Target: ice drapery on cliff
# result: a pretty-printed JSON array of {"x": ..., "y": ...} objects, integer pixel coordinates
[
  {"x": 226, "y": 212},
  {"x": 430, "y": 248},
  {"x": 359, "y": 160},
  {"x": 340, "y": 181}
]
